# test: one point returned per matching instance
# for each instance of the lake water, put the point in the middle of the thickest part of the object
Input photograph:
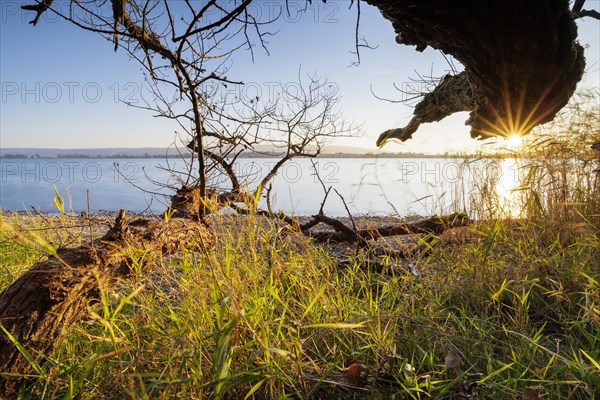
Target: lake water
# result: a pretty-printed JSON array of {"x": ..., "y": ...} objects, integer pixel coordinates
[{"x": 375, "y": 186}]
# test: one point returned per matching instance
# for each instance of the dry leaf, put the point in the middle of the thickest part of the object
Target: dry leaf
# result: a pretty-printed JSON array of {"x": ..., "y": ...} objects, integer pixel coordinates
[
  {"x": 530, "y": 394},
  {"x": 357, "y": 374}
]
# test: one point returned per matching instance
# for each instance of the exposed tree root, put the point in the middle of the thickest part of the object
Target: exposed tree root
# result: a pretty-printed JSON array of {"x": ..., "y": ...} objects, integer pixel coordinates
[{"x": 56, "y": 293}]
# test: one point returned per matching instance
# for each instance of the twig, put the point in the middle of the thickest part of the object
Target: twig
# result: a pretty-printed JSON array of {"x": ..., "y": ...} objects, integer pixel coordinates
[{"x": 360, "y": 242}]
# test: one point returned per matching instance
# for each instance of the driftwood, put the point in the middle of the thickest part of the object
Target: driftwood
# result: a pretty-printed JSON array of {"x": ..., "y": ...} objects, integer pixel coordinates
[
  {"x": 435, "y": 225},
  {"x": 432, "y": 226},
  {"x": 56, "y": 293},
  {"x": 343, "y": 233}
]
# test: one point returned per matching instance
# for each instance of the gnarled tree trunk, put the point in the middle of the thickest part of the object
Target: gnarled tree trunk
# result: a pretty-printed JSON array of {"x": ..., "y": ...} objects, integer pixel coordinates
[
  {"x": 522, "y": 61},
  {"x": 56, "y": 293}
]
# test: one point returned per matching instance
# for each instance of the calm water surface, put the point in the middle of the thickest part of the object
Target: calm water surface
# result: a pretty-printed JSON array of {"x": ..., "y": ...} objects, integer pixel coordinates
[{"x": 376, "y": 186}]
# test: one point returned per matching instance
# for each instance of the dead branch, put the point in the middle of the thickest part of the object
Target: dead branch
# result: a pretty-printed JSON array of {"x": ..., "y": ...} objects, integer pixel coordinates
[
  {"x": 346, "y": 234},
  {"x": 343, "y": 233}
]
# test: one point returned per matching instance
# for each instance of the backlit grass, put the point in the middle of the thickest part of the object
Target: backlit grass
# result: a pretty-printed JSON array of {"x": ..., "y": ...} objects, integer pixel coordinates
[{"x": 268, "y": 316}]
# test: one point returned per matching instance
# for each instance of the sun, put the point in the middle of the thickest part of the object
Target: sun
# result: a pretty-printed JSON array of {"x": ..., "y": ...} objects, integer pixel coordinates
[{"x": 513, "y": 141}]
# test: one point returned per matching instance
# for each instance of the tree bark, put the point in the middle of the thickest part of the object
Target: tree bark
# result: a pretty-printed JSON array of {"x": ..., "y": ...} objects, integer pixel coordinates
[
  {"x": 56, "y": 293},
  {"x": 521, "y": 58}
]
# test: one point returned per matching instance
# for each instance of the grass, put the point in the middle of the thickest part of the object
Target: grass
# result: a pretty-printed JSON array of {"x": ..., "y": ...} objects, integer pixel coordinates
[{"x": 263, "y": 315}]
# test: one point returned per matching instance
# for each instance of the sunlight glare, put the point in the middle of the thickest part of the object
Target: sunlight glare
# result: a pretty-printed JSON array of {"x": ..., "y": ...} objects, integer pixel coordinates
[
  {"x": 507, "y": 188},
  {"x": 513, "y": 141}
]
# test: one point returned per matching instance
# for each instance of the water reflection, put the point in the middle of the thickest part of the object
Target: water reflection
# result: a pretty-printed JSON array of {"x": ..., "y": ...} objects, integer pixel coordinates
[{"x": 508, "y": 188}]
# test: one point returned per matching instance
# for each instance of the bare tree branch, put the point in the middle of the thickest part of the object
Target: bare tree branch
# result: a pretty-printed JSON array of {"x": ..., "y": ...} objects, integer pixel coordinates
[
  {"x": 39, "y": 8},
  {"x": 588, "y": 13},
  {"x": 577, "y": 6}
]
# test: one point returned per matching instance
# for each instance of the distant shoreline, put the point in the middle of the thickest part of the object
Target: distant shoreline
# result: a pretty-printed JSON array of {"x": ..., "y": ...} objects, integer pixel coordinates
[
  {"x": 10, "y": 156},
  {"x": 179, "y": 152}
]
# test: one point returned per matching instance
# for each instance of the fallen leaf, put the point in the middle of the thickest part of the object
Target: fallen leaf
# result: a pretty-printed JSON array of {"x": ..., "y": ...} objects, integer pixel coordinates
[
  {"x": 530, "y": 394},
  {"x": 357, "y": 374}
]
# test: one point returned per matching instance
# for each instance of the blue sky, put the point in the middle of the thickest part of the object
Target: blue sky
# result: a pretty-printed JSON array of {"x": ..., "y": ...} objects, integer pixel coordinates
[{"x": 60, "y": 85}]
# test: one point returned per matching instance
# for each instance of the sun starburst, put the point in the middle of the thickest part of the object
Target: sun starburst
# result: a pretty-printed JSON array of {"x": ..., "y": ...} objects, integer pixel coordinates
[{"x": 513, "y": 141}]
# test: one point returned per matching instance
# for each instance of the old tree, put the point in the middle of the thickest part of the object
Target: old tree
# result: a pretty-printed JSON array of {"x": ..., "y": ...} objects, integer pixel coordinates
[{"x": 521, "y": 61}]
